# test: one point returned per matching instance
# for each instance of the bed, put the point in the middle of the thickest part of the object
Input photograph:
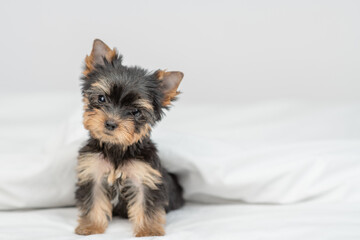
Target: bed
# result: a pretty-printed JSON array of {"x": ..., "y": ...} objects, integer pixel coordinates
[
  {"x": 280, "y": 169},
  {"x": 202, "y": 221}
]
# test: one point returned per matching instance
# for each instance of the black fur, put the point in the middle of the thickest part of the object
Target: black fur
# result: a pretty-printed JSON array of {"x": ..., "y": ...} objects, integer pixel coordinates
[
  {"x": 169, "y": 194},
  {"x": 127, "y": 85}
]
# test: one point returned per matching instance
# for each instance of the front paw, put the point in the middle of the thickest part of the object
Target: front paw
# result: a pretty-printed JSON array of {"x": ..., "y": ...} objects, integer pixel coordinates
[
  {"x": 89, "y": 230},
  {"x": 156, "y": 231}
]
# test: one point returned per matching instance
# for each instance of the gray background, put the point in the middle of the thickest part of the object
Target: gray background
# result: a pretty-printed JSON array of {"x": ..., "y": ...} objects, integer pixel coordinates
[{"x": 230, "y": 51}]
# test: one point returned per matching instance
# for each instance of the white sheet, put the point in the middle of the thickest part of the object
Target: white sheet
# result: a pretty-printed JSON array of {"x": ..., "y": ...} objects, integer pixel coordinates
[
  {"x": 276, "y": 152},
  {"x": 267, "y": 152},
  {"x": 194, "y": 222}
]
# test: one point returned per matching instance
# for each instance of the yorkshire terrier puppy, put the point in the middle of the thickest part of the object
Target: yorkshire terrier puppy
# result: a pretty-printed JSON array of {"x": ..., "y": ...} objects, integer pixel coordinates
[{"x": 119, "y": 171}]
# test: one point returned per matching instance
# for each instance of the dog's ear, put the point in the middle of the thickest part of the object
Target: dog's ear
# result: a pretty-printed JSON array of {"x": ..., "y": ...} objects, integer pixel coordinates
[
  {"x": 99, "y": 51},
  {"x": 169, "y": 83}
]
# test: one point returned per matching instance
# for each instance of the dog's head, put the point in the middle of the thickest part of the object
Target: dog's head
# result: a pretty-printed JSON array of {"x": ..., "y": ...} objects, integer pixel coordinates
[{"x": 122, "y": 103}]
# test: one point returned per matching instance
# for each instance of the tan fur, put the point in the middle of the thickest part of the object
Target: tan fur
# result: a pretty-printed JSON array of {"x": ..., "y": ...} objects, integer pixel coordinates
[
  {"x": 135, "y": 173},
  {"x": 170, "y": 94},
  {"x": 144, "y": 104},
  {"x": 89, "y": 60},
  {"x": 124, "y": 134},
  {"x": 168, "y": 98},
  {"x": 144, "y": 131},
  {"x": 153, "y": 226},
  {"x": 94, "y": 167},
  {"x": 94, "y": 122},
  {"x": 85, "y": 227},
  {"x": 160, "y": 74},
  {"x": 102, "y": 85},
  {"x": 114, "y": 175},
  {"x": 85, "y": 101},
  {"x": 142, "y": 174}
]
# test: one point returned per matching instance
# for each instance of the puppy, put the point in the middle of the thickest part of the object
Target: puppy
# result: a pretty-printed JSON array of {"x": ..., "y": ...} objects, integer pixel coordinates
[{"x": 119, "y": 171}]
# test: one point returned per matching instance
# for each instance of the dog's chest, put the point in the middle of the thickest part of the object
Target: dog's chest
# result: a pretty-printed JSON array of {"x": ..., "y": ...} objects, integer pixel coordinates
[
  {"x": 115, "y": 184},
  {"x": 120, "y": 182}
]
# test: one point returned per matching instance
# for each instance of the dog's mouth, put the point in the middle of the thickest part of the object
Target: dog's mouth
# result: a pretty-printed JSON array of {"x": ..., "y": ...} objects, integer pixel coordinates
[{"x": 108, "y": 133}]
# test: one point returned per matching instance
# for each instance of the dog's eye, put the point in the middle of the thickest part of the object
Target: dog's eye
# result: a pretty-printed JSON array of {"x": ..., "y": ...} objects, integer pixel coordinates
[
  {"x": 135, "y": 112},
  {"x": 101, "y": 98}
]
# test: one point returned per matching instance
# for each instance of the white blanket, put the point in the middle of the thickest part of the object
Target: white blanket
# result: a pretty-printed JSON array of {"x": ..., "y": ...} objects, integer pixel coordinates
[
  {"x": 276, "y": 152},
  {"x": 196, "y": 222}
]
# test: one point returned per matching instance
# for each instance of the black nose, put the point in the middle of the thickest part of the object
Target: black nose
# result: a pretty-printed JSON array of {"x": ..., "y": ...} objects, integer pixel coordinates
[{"x": 110, "y": 125}]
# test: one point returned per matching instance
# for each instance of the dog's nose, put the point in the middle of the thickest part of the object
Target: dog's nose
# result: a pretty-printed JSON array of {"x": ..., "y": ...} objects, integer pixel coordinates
[{"x": 110, "y": 125}]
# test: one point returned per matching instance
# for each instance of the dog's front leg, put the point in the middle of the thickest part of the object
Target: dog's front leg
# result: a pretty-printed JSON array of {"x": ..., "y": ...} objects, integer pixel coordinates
[
  {"x": 92, "y": 194},
  {"x": 144, "y": 191}
]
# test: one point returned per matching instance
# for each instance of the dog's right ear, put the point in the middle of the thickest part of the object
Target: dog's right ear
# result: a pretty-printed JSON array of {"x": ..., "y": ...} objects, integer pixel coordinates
[{"x": 99, "y": 51}]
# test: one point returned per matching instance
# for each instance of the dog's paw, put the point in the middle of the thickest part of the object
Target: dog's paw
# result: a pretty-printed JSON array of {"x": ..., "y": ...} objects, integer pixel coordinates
[
  {"x": 89, "y": 230},
  {"x": 158, "y": 231}
]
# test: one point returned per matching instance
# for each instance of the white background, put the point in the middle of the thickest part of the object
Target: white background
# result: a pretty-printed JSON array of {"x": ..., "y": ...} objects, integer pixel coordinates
[
  {"x": 229, "y": 50},
  {"x": 292, "y": 157}
]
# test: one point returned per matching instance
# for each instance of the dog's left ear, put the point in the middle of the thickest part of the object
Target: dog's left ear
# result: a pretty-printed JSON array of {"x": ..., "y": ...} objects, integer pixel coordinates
[
  {"x": 99, "y": 51},
  {"x": 169, "y": 83}
]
